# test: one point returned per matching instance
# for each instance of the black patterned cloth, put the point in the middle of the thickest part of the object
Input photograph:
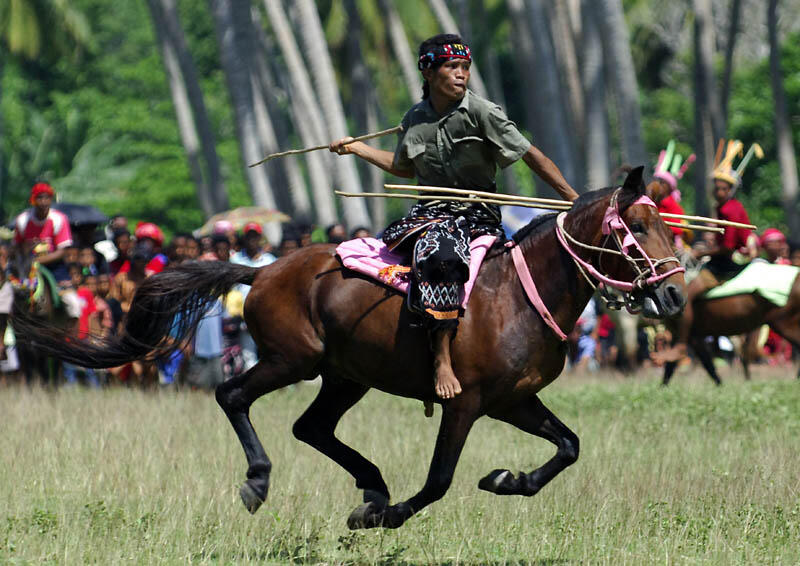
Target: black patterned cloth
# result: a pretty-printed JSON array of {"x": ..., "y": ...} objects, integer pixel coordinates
[{"x": 436, "y": 235}]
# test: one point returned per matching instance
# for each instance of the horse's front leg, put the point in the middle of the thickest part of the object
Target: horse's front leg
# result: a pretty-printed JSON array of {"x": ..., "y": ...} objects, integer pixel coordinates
[
  {"x": 533, "y": 417},
  {"x": 457, "y": 418}
]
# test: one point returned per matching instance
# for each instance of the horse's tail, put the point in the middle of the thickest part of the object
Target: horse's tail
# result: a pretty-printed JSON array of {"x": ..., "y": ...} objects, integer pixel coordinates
[{"x": 165, "y": 311}]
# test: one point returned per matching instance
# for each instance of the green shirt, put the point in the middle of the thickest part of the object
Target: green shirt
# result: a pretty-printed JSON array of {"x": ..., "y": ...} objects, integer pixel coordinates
[{"x": 462, "y": 148}]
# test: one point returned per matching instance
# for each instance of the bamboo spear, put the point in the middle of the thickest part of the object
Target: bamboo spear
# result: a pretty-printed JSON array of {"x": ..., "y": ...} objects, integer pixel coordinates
[
  {"x": 564, "y": 203},
  {"x": 506, "y": 202},
  {"x": 317, "y": 148}
]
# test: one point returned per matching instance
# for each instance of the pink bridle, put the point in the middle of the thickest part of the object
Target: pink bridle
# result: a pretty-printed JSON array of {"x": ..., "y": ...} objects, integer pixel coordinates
[{"x": 612, "y": 224}]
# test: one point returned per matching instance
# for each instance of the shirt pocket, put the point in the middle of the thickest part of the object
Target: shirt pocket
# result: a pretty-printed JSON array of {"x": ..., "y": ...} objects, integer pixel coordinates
[{"x": 414, "y": 149}]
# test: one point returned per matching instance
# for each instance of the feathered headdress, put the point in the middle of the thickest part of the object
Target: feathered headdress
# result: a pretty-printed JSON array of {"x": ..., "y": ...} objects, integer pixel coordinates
[
  {"x": 671, "y": 167},
  {"x": 723, "y": 166}
]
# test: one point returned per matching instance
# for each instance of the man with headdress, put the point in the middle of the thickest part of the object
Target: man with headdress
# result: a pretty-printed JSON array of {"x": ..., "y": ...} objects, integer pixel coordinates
[
  {"x": 41, "y": 229},
  {"x": 721, "y": 267},
  {"x": 664, "y": 187},
  {"x": 452, "y": 138}
]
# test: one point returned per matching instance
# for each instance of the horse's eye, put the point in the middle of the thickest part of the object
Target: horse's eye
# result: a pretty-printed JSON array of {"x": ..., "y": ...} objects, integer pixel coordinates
[{"x": 637, "y": 227}]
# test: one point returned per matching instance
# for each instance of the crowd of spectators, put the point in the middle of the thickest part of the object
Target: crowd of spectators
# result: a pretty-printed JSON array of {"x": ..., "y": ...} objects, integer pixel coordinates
[{"x": 98, "y": 269}]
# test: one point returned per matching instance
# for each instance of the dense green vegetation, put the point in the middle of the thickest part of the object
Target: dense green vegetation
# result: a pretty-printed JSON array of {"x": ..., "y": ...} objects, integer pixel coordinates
[
  {"x": 97, "y": 119},
  {"x": 681, "y": 475}
]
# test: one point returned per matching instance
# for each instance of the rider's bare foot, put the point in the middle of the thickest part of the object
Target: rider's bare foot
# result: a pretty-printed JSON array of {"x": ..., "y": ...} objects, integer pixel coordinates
[
  {"x": 447, "y": 385},
  {"x": 674, "y": 354}
]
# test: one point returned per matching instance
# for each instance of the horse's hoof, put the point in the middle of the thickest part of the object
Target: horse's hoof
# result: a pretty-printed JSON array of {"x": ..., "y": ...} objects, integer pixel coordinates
[
  {"x": 500, "y": 482},
  {"x": 366, "y": 516},
  {"x": 250, "y": 498}
]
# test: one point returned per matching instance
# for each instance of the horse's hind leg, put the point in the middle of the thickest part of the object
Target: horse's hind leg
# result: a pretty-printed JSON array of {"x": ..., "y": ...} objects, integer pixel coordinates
[
  {"x": 700, "y": 348},
  {"x": 235, "y": 397},
  {"x": 533, "y": 417},
  {"x": 316, "y": 428}
]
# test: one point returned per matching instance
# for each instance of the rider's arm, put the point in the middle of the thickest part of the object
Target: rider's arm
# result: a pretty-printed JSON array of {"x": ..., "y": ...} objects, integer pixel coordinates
[
  {"x": 549, "y": 172},
  {"x": 379, "y": 157}
]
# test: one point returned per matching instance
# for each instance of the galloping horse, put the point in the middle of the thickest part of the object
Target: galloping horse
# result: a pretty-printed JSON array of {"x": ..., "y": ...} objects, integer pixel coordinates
[
  {"x": 37, "y": 294},
  {"x": 739, "y": 314},
  {"x": 310, "y": 316}
]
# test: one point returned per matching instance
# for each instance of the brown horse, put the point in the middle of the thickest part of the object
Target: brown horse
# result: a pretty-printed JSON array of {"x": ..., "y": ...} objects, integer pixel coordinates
[
  {"x": 739, "y": 314},
  {"x": 310, "y": 316}
]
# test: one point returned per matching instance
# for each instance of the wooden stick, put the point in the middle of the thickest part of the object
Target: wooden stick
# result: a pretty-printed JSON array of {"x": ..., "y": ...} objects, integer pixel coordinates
[
  {"x": 506, "y": 202},
  {"x": 555, "y": 202},
  {"x": 451, "y": 199},
  {"x": 709, "y": 220},
  {"x": 317, "y": 148},
  {"x": 496, "y": 196},
  {"x": 697, "y": 227}
]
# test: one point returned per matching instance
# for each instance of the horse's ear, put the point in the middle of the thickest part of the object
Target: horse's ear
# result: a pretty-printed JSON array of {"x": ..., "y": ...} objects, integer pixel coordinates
[{"x": 635, "y": 181}]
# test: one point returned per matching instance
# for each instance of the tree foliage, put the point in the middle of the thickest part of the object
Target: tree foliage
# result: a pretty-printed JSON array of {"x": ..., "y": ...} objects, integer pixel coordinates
[{"x": 99, "y": 122}]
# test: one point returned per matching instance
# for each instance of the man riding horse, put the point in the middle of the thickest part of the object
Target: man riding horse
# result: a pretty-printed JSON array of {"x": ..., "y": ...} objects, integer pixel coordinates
[
  {"x": 721, "y": 267},
  {"x": 452, "y": 138}
]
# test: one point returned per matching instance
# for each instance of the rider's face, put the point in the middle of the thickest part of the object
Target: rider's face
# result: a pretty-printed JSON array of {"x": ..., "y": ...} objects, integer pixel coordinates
[
  {"x": 722, "y": 191},
  {"x": 449, "y": 80}
]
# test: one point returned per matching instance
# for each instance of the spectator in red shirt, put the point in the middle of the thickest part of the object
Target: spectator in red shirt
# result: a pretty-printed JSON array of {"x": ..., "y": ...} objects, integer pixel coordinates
[{"x": 43, "y": 225}]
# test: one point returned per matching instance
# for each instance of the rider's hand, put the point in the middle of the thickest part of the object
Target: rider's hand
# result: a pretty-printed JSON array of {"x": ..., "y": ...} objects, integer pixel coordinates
[{"x": 340, "y": 146}]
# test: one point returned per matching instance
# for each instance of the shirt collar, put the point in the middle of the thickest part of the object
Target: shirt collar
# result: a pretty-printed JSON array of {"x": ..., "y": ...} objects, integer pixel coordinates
[{"x": 463, "y": 105}]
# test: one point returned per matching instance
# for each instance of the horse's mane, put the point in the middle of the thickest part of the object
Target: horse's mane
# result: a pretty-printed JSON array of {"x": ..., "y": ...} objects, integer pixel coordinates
[{"x": 541, "y": 224}]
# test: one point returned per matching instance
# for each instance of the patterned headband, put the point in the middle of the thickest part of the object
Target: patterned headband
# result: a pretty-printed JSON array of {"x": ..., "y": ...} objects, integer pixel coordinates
[{"x": 444, "y": 53}]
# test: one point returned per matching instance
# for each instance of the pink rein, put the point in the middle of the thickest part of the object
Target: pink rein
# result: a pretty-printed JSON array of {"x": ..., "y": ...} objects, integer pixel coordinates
[{"x": 612, "y": 221}]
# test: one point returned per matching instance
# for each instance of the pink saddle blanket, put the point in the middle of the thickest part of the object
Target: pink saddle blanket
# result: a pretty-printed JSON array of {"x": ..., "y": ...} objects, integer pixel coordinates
[{"x": 372, "y": 258}]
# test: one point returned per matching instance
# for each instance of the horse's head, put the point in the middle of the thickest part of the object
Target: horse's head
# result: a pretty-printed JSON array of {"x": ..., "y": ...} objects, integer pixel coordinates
[{"x": 619, "y": 240}]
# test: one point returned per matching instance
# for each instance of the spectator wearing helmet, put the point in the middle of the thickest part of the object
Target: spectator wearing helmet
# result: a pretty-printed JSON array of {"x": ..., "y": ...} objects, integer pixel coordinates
[
  {"x": 43, "y": 225},
  {"x": 151, "y": 237}
]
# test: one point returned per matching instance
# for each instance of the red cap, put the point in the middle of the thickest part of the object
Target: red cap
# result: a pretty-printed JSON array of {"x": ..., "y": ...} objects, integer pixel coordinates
[
  {"x": 149, "y": 230},
  {"x": 252, "y": 227},
  {"x": 772, "y": 235},
  {"x": 41, "y": 188}
]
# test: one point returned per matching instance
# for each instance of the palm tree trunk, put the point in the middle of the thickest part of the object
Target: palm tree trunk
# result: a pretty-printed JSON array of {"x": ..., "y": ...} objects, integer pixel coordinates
[
  {"x": 183, "y": 112},
  {"x": 403, "y": 50},
  {"x": 564, "y": 42},
  {"x": 704, "y": 121},
  {"x": 266, "y": 87},
  {"x": 300, "y": 203},
  {"x": 557, "y": 141},
  {"x": 363, "y": 108},
  {"x": 448, "y": 25},
  {"x": 306, "y": 112},
  {"x": 227, "y": 16},
  {"x": 617, "y": 52},
  {"x": 174, "y": 33},
  {"x": 733, "y": 32},
  {"x": 316, "y": 50},
  {"x": 3, "y": 198},
  {"x": 596, "y": 142},
  {"x": 786, "y": 157}
]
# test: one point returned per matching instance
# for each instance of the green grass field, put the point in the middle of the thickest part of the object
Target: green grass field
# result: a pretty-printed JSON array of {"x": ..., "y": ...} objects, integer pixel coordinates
[{"x": 685, "y": 475}]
